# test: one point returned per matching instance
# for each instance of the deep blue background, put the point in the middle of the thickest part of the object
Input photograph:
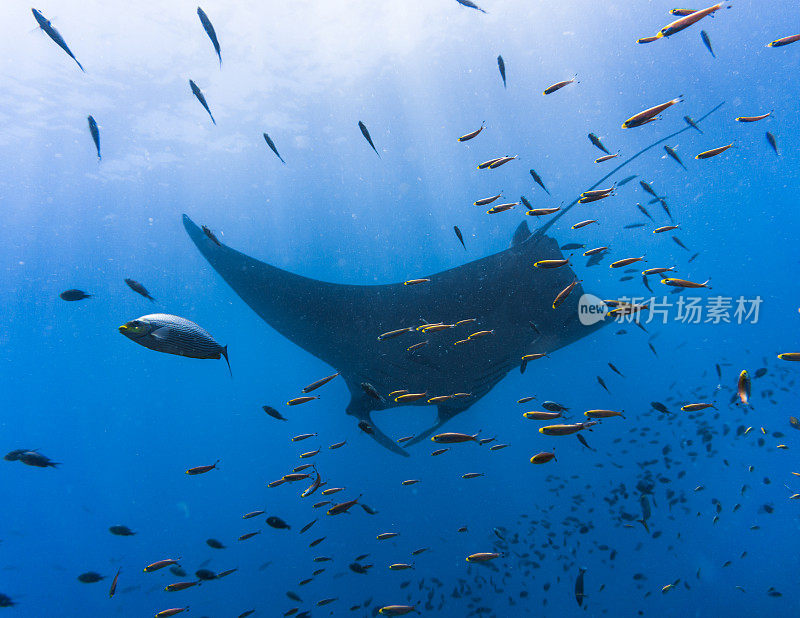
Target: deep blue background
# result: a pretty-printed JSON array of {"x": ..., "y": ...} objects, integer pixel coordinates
[{"x": 126, "y": 422}]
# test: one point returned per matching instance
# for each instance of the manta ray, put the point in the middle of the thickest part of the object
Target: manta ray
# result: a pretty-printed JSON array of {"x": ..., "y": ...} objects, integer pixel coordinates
[{"x": 341, "y": 324}]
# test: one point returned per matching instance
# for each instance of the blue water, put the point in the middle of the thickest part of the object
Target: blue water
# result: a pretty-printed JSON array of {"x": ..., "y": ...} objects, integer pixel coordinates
[{"x": 126, "y": 422}]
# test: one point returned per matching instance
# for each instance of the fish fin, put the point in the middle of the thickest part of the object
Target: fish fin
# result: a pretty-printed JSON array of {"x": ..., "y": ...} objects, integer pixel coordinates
[
  {"x": 359, "y": 409},
  {"x": 224, "y": 352},
  {"x": 384, "y": 440},
  {"x": 521, "y": 234},
  {"x": 160, "y": 333}
]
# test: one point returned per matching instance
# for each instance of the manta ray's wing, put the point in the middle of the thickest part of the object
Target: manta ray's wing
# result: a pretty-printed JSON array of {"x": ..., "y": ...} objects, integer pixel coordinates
[{"x": 317, "y": 316}]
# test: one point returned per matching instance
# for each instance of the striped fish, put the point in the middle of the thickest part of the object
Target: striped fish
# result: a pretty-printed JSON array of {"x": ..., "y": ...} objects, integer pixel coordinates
[{"x": 173, "y": 335}]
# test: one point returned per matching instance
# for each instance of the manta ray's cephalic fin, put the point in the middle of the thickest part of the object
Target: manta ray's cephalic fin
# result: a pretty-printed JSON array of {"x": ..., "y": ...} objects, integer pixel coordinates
[{"x": 361, "y": 409}]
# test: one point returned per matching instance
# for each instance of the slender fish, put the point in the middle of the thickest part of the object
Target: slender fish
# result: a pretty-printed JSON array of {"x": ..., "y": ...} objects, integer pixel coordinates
[
  {"x": 210, "y": 32},
  {"x": 200, "y": 97},
  {"x": 365, "y": 133},
  {"x": 95, "y": 135},
  {"x": 55, "y": 35}
]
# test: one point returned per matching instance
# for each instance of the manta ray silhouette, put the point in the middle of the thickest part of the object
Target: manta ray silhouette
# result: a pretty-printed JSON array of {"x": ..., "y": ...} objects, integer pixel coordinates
[{"x": 340, "y": 324}]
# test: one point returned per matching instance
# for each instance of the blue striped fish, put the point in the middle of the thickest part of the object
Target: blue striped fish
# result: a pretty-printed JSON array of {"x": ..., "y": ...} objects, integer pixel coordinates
[{"x": 173, "y": 335}]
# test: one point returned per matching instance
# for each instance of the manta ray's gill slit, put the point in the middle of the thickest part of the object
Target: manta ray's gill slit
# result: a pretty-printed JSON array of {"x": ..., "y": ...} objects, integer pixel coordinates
[{"x": 540, "y": 231}]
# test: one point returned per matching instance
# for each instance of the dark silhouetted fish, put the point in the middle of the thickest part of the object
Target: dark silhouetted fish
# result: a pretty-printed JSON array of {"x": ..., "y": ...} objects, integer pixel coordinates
[
  {"x": 271, "y": 145},
  {"x": 648, "y": 187},
  {"x": 37, "y": 460},
  {"x": 707, "y": 42},
  {"x": 596, "y": 141},
  {"x": 538, "y": 180},
  {"x": 139, "y": 288},
  {"x": 679, "y": 243},
  {"x": 73, "y": 295},
  {"x": 659, "y": 406},
  {"x": 199, "y": 94},
  {"x": 211, "y": 235},
  {"x": 210, "y": 32},
  {"x": 365, "y": 133},
  {"x": 691, "y": 123},
  {"x": 113, "y": 589},
  {"x": 54, "y": 34},
  {"x": 470, "y": 4},
  {"x": 583, "y": 441},
  {"x": 273, "y": 413},
  {"x": 95, "y": 135},
  {"x": 579, "y": 595},
  {"x": 121, "y": 531},
  {"x": 671, "y": 152},
  {"x": 772, "y": 142},
  {"x": 460, "y": 237},
  {"x": 502, "y": 66},
  {"x": 278, "y": 523}
]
